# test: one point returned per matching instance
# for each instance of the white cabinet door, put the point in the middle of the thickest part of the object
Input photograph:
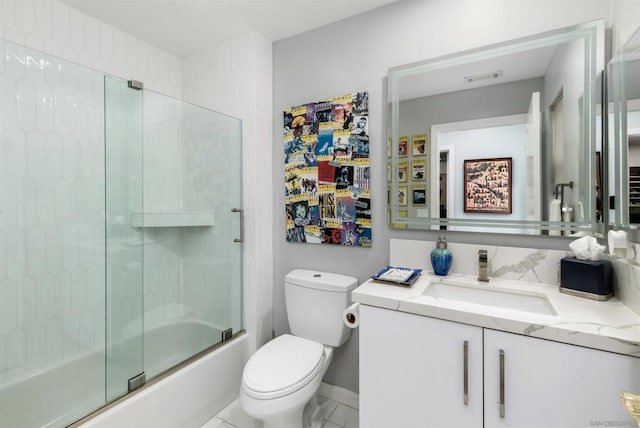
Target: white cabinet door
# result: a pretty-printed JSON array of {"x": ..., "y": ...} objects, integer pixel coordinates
[
  {"x": 412, "y": 371},
  {"x": 549, "y": 384}
]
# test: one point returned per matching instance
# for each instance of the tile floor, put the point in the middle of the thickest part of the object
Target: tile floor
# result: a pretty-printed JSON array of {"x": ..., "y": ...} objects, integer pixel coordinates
[{"x": 339, "y": 416}]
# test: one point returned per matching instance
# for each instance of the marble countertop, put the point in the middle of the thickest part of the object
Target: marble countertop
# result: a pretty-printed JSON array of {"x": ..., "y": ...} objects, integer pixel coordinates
[{"x": 609, "y": 325}]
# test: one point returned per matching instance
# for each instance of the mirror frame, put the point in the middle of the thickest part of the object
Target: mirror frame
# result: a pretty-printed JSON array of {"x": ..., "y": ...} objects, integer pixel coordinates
[
  {"x": 593, "y": 34},
  {"x": 617, "y": 102}
]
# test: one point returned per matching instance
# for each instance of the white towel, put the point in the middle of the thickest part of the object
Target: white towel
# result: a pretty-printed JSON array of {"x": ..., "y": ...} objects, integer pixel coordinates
[{"x": 555, "y": 214}]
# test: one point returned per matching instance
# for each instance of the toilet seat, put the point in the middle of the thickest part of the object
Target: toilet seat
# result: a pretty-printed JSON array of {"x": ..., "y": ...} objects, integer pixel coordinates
[{"x": 282, "y": 366}]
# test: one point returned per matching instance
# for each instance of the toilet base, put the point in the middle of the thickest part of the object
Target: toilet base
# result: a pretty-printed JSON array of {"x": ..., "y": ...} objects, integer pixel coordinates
[
  {"x": 312, "y": 416},
  {"x": 287, "y": 420},
  {"x": 315, "y": 414}
]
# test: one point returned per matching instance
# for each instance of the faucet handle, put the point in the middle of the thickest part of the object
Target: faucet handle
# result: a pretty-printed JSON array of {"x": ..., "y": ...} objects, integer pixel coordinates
[{"x": 482, "y": 256}]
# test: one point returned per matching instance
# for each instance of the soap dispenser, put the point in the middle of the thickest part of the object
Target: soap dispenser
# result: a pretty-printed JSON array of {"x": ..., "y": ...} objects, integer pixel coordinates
[{"x": 441, "y": 258}]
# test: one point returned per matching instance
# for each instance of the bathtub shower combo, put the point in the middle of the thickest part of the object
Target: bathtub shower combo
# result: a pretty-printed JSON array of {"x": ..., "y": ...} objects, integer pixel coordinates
[{"x": 120, "y": 225}]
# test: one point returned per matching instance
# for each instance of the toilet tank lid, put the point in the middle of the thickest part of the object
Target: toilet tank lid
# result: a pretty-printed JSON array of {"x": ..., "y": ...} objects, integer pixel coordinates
[{"x": 322, "y": 280}]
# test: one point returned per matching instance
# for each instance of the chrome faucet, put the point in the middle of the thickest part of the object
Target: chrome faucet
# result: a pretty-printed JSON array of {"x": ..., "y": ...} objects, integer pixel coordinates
[{"x": 483, "y": 264}]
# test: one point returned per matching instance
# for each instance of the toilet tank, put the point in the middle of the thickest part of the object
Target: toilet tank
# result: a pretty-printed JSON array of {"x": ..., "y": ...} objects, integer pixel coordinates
[{"x": 315, "y": 303}]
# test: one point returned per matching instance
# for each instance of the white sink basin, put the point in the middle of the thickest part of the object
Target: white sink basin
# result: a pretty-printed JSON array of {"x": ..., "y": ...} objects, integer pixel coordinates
[{"x": 452, "y": 289}]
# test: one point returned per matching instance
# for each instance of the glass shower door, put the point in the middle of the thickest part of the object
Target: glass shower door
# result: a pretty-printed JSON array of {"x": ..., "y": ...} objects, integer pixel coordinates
[
  {"x": 190, "y": 222},
  {"x": 173, "y": 224},
  {"x": 124, "y": 241},
  {"x": 51, "y": 239},
  {"x": 73, "y": 216}
]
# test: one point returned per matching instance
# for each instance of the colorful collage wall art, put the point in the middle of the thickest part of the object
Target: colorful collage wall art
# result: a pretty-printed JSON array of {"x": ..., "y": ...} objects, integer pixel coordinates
[{"x": 327, "y": 186}]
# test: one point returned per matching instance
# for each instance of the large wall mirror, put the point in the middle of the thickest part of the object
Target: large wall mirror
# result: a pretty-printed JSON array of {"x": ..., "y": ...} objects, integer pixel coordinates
[
  {"x": 624, "y": 132},
  {"x": 499, "y": 139}
]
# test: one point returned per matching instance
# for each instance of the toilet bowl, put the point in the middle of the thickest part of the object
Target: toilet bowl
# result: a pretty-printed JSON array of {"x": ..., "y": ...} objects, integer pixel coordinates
[
  {"x": 280, "y": 381},
  {"x": 281, "y": 378}
]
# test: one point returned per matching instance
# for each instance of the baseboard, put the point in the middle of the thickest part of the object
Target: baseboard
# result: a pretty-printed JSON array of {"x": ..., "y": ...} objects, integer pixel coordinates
[{"x": 340, "y": 395}]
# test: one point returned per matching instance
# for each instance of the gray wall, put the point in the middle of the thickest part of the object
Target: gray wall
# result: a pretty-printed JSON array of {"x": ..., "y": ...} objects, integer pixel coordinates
[
  {"x": 354, "y": 55},
  {"x": 417, "y": 115}
]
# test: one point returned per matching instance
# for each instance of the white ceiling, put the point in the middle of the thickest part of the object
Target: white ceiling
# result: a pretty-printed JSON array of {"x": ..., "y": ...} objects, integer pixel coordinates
[
  {"x": 187, "y": 26},
  {"x": 516, "y": 66}
]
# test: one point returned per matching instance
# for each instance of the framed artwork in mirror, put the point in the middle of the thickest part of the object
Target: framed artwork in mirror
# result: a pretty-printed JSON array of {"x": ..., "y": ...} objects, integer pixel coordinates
[
  {"x": 402, "y": 171},
  {"x": 402, "y": 195},
  {"x": 420, "y": 145},
  {"x": 403, "y": 146},
  {"x": 487, "y": 185},
  {"x": 419, "y": 193}
]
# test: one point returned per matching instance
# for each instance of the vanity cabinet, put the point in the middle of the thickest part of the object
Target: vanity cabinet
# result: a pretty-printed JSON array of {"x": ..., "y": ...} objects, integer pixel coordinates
[
  {"x": 412, "y": 374},
  {"x": 412, "y": 371},
  {"x": 551, "y": 384}
]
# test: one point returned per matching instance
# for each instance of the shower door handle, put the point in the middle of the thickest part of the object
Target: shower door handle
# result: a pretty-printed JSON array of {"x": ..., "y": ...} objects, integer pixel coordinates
[{"x": 239, "y": 210}]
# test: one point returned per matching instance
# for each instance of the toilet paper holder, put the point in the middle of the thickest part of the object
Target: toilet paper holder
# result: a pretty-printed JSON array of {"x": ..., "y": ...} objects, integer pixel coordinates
[{"x": 351, "y": 316}]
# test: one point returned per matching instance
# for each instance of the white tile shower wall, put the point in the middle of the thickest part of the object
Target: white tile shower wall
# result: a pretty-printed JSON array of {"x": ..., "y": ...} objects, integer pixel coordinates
[
  {"x": 207, "y": 268},
  {"x": 55, "y": 28},
  {"x": 52, "y": 222},
  {"x": 207, "y": 278},
  {"x": 524, "y": 264},
  {"x": 162, "y": 183},
  {"x": 163, "y": 172},
  {"x": 188, "y": 269},
  {"x": 163, "y": 256},
  {"x": 236, "y": 77},
  {"x": 205, "y": 187},
  {"x": 51, "y": 298}
]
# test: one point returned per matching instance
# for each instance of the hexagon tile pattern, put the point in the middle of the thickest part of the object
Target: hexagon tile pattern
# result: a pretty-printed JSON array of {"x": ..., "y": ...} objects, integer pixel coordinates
[{"x": 51, "y": 116}]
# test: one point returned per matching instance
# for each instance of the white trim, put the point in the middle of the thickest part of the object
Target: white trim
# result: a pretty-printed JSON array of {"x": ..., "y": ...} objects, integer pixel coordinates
[
  {"x": 451, "y": 159},
  {"x": 340, "y": 395}
]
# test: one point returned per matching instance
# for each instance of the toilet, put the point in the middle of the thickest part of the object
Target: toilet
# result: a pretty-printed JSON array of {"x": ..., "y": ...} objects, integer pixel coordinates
[{"x": 280, "y": 381}]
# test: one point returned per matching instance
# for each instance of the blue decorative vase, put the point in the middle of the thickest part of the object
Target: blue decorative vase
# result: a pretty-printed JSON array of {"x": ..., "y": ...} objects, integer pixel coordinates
[{"x": 441, "y": 258}]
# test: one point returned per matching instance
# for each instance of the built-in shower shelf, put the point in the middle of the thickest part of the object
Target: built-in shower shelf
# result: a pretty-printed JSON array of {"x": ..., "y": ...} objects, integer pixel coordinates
[{"x": 172, "y": 219}]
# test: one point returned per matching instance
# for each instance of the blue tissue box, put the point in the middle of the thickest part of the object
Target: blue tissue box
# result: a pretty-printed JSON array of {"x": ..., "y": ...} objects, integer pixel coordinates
[{"x": 586, "y": 278}]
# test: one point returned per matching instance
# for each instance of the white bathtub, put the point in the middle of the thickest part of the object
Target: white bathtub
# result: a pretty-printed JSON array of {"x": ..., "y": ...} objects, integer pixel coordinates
[
  {"x": 187, "y": 398},
  {"x": 171, "y": 344}
]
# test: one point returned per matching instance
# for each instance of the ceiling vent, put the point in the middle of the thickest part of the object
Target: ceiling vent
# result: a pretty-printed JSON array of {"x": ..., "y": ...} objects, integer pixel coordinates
[{"x": 477, "y": 78}]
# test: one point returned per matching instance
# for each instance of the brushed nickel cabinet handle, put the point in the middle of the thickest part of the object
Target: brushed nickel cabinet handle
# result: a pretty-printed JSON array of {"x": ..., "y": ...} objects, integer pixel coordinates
[
  {"x": 466, "y": 373},
  {"x": 501, "y": 384}
]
